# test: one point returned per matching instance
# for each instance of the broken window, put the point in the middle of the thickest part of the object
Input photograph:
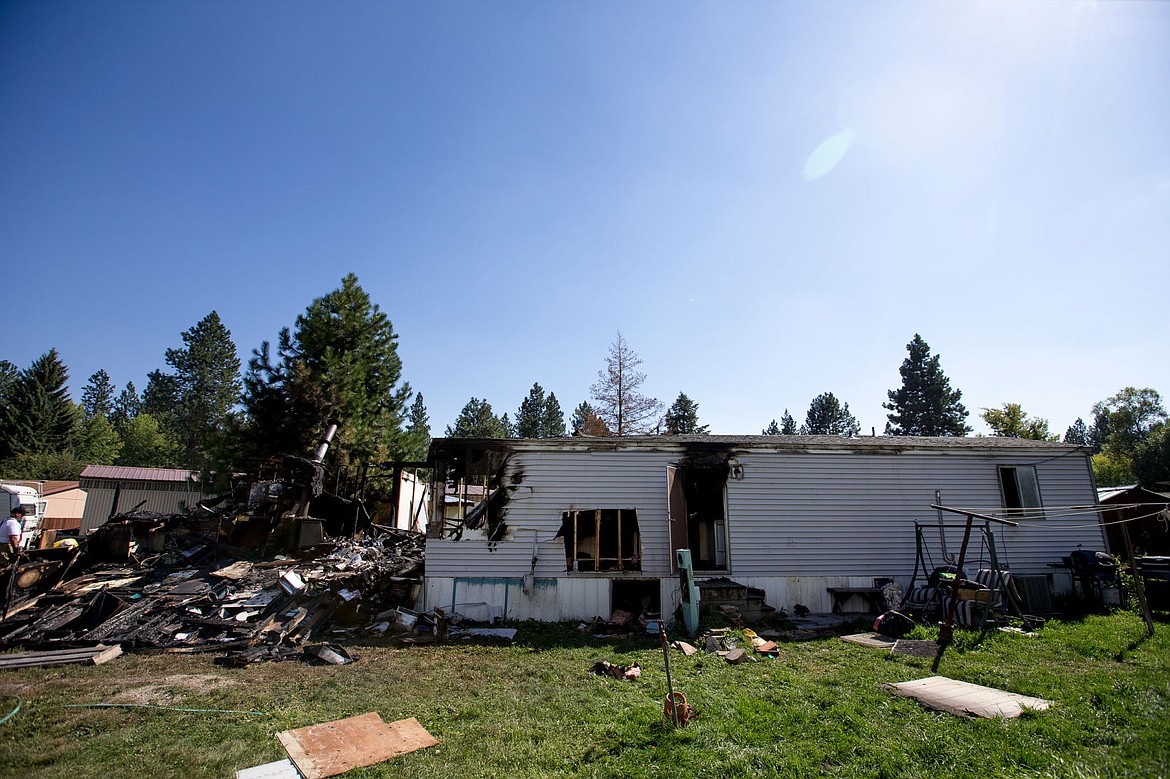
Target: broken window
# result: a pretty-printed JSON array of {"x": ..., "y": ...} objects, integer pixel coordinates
[
  {"x": 1021, "y": 490},
  {"x": 601, "y": 540}
]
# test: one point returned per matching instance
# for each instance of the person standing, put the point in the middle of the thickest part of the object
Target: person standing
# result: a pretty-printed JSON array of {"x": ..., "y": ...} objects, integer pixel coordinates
[{"x": 10, "y": 535}]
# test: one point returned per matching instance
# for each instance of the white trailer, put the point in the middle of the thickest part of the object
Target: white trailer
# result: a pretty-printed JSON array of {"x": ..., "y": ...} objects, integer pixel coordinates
[{"x": 12, "y": 495}]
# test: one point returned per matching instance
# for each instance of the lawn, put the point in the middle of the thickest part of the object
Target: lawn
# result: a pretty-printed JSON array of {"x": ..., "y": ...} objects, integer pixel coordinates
[{"x": 532, "y": 709}]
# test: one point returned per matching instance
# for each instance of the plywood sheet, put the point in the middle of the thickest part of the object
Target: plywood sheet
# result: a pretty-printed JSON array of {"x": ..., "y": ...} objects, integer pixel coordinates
[
  {"x": 966, "y": 699},
  {"x": 333, "y": 748},
  {"x": 873, "y": 640}
]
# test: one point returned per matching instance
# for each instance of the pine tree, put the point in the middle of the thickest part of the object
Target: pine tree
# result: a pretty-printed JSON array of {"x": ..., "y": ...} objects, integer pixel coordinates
[
  {"x": 787, "y": 424},
  {"x": 339, "y": 360},
  {"x": 97, "y": 397},
  {"x": 418, "y": 430},
  {"x": 682, "y": 418},
  {"x": 586, "y": 422},
  {"x": 828, "y": 416},
  {"x": 772, "y": 429},
  {"x": 477, "y": 420},
  {"x": 126, "y": 406},
  {"x": 624, "y": 410},
  {"x": 207, "y": 388},
  {"x": 1077, "y": 433},
  {"x": 925, "y": 404},
  {"x": 552, "y": 421},
  {"x": 39, "y": 417},
  {"x": 530, "y": 415}
]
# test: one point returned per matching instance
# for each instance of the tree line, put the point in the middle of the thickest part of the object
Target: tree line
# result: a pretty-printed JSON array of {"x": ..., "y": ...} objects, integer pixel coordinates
[{"x": 339, "y": 359}]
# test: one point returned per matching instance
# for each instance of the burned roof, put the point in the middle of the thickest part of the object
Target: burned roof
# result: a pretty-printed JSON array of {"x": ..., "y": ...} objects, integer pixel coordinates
[{"x": 446, "y": 447}]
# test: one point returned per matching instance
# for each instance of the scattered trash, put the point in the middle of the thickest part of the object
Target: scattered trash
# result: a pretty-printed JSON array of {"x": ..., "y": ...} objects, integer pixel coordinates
[
  {"x": 686, "y": 648},
  {"x": 85, "y": 656},
  {"x": 332, "y": 748},
  {"x": 281, "y": 769},
  {"x": 676, "y": 709},
  {"x": 331, "y": 653},
  {"x": 606, "y": 668}
]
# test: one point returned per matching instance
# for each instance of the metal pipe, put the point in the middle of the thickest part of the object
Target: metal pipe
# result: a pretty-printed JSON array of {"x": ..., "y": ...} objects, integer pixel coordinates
[{"x": 326, "y": 439}]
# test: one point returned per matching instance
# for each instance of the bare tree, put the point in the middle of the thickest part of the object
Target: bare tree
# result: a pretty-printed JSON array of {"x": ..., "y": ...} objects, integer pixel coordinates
[{"x": 617, "y": 401}]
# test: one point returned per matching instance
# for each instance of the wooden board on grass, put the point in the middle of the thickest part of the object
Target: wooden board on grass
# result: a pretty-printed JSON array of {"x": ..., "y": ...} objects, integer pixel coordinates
[
  {"x": 333, "y": 748},
  {"x": 966, "y": 699}
]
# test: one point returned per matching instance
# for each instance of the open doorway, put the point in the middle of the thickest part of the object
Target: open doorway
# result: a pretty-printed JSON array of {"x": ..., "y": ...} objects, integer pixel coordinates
[{"x": 698, "y": 514}]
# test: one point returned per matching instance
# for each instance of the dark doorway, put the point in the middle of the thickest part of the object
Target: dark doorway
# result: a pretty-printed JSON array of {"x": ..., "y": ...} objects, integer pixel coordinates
[{"x": 698, "y": 514}]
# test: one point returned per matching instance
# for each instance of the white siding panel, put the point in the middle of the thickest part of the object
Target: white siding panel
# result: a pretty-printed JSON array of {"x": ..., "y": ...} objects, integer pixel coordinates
[
  {"x": 552, "y": 483},
  {"x": 798, "y": 522}
]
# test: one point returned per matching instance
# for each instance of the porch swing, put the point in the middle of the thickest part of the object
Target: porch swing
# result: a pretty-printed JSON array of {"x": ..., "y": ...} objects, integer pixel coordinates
[{"x": 987, "y": 596}]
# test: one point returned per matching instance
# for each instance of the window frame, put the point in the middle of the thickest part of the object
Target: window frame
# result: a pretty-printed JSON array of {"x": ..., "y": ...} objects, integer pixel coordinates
[{"x": 1020, "y": 490}]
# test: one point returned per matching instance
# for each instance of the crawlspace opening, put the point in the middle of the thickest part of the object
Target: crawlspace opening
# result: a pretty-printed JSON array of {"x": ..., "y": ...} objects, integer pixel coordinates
[{"x": 637, "y": 596}]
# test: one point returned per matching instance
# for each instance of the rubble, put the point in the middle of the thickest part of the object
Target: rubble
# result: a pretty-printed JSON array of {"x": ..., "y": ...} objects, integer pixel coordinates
[{"x": 166, "y": 583}]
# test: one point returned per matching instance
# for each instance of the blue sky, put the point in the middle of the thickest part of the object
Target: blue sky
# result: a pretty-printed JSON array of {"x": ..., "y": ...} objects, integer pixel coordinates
[{"x": 767, "y": 199}]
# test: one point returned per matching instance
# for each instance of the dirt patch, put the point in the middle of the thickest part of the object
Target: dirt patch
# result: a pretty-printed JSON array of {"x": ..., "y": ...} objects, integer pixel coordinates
[{"x": 165, "y": 690}]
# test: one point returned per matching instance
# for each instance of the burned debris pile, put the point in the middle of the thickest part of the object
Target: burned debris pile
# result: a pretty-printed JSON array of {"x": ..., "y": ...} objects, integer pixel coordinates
[{"x": 164, "y": 582}]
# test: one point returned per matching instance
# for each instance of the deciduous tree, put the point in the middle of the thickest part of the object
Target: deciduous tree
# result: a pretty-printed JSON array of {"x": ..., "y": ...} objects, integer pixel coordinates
[
  {"x": 828, "y": 416},
  {"x": 925, "y": 404},
  {"x": 145, "y": 444},
  {"x": 682, "y": 418},
  {"x": 1012, "y": 422},
  {"x": 586, "y": 422},
  {"x": 617, "y": 401}
]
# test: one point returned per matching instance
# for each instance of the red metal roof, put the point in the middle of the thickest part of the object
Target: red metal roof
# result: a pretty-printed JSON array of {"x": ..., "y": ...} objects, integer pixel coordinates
[{"x": 138, "y": 474}]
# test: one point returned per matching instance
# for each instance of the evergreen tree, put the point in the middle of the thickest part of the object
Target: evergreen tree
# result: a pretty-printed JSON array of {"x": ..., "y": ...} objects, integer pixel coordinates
[
  {"x": 1012, "y": 422},
  {"x": 530, "y": 416},
  {"x": 828, "y": 416},
  {"x": 682, "y": 418},
  {"x": 1077, "y": 433},
  {"x": 552, "y": 421},
  {"x": 477, "y": 420},
  {"x": 772, "y": 429},
  {"x": 925, "y": 404},
  {"x": 207, "y": 388},
  {"x": 8, "y": 376},
  {"x": 38, "y": 417},
  {"x": 97, "y": 397},
  {"x": 787, "y": 424},
  {"x": 340, "y": 360},
  {"x": 586, "y": 422},
  {"x": 418, "y": 430},
  {"x": 619, "y": 404},
  {"x": 160, "y": 398},
  {"x": 126, "y": 405}
]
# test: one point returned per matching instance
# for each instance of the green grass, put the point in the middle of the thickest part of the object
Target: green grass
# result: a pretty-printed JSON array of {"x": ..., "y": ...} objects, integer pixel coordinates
[{"x": 531, "y": 709}]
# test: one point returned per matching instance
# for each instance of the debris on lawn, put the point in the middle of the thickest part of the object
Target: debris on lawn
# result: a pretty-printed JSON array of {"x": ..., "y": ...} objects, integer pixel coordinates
[
  {"x": 606, "y": 668},
  {"x": 966, "y": 699},
  {"x": 280, "y": 769},
  {"x": 685, "y": 648},
  {"x": 927, "y": 648},
  {"x": 871, "y": 640},
  {"x": 676, "y": 709},
  {"x": 84, "y": 656},
  {"x": 332, "y": 748}
]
